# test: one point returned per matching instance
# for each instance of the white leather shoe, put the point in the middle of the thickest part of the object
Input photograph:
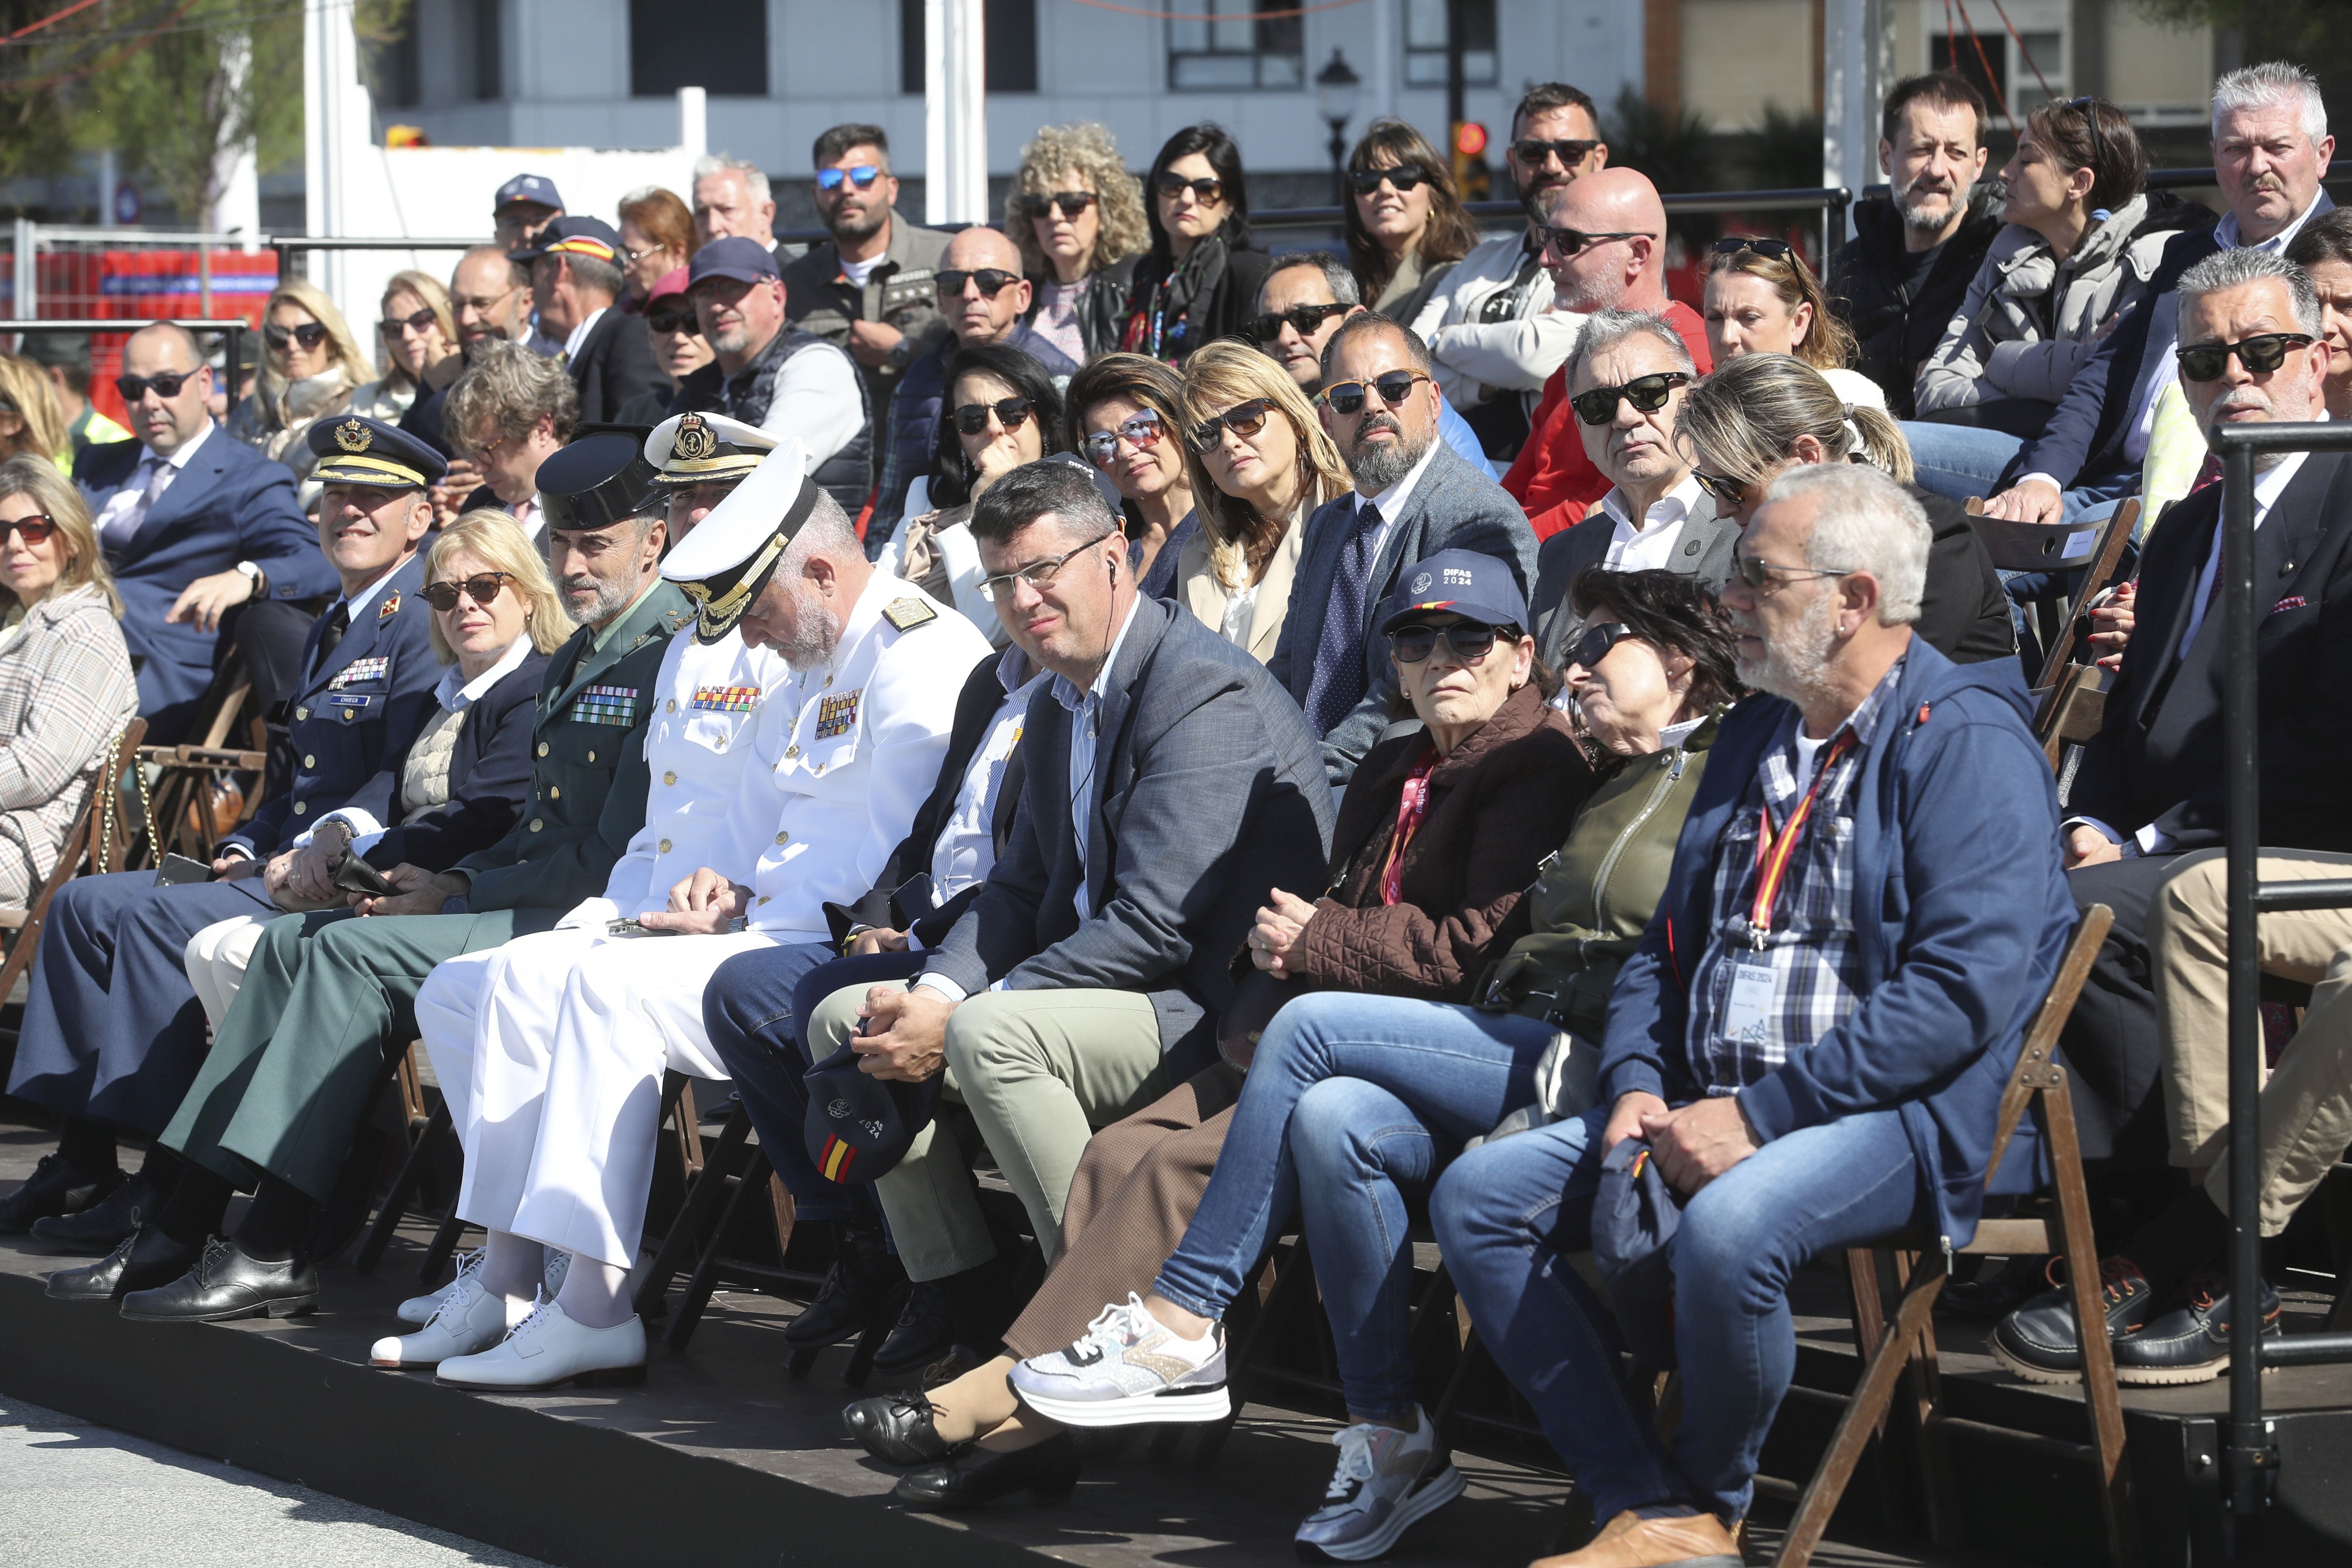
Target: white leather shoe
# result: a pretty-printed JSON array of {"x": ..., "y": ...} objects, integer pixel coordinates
[
  {"x": 419, "y": 1309},
  {"x": 470, "y": 1320},
  {"x": 547, "y": 1349}
]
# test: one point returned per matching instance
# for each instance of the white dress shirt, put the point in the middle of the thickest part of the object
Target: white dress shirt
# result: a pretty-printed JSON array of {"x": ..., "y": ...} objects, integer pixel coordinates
[
  {"x": 965, "y": 850},
  {"x": 1648, "y": 544},
  {"x": 579, "y": 334},
  {"x": 1392, "y": 500},
  {"x": 117, "y": 520}
]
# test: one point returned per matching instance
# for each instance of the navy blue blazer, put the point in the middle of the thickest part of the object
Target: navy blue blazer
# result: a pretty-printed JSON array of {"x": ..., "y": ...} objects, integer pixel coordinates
[
  {"x": 488, "y": 777},
  {"x": 354, "y": 710},
  {"x": 229, "y": 504}
]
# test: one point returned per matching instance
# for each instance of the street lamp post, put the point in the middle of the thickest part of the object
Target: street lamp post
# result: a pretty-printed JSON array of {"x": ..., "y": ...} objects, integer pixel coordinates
[{"x": 1335, "y": 98}]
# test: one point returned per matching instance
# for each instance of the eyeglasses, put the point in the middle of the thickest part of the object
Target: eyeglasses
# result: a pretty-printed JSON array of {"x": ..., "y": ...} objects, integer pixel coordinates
[
  {"x": 1403, "y": 176},
  {"x": 1733, "y": 244},
  {"x": 1573, "y": 242},
  {"x": 1011, "y": 412},
  {"x": 1243, "y": 419},
  {"x": 1070, "y": 204},
  {"x": 1140, "y": 431},
  {"x": 1594, "y": 646},
  {"x": 991, "y": 281},
  {"x": 1727, "y": 490},
  {"x": 1307, "y": 319},
  {"x": 463, "y": 305},
  {"x": 482, "y": 590},
  {"x": 1647, "y": 394},
  {"x": 1038, "y": 575},
  {"x": 35, "y": 527},
  {"x": 2261, "y": 354},
  {"x": 631, "y": 258},
  {"x": 309, "y": 334},
  {"x": 863, "y": 176},
  {"x": 167, "y": 386},
  {"x": 668, "y": 322},
  {"x": 396, "y": 326},
  {"x": 1348, "y": 396},
  {"x": 1469, "y": 640},
  {"x": 1206, "y": 189},
  {"x": 1756, "y": 572},
  {"x": 1532, "y": 152}
]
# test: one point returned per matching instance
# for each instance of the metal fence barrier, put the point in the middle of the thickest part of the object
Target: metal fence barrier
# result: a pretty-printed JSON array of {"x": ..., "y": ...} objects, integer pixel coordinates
[{"x": 233, "y": 330}]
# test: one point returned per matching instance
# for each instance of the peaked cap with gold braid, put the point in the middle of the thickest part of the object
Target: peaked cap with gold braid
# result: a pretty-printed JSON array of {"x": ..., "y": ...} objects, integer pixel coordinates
[
  {"x": 725, "y": 563},
  {"x": 706, "y": 449},
  {"x": 354, "y": 450}
]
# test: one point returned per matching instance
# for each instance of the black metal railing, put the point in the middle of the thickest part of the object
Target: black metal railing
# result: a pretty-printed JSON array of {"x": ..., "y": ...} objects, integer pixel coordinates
[{"x": 233, "y": 329}]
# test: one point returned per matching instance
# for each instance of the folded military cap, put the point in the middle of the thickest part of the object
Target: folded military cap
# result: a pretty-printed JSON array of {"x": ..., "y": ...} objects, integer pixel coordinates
[
  {"x": 354, "y": 450},
  {"x": 706, "y": 449},
  {"x": 571, "y": 235},
  {"x": 728, "y": 559},
  {"x": 595, "y": 481},
  {"x": 857, "y": 1126},
  {"x": 528, "y": 188}
]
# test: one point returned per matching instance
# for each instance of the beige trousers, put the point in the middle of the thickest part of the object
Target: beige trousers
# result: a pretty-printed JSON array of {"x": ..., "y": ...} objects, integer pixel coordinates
[
  {"x": 2307, "y": 1105},
  {"x": 1036, "y": 1072}
]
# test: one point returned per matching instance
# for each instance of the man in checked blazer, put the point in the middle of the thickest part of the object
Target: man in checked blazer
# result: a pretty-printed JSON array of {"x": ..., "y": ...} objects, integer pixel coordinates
[{"x": 1413, "y": 497}]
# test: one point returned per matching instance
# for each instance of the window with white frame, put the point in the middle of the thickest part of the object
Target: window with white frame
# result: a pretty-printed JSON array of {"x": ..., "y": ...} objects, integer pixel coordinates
[{"x": 1425, "y": 42}]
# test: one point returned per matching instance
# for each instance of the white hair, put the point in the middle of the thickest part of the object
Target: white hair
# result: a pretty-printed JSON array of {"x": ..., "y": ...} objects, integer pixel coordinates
[
  {"x": 2272, "y": 82},
  {"x": 755, "y": 179},
  {"x": 1867, "y": 522}
]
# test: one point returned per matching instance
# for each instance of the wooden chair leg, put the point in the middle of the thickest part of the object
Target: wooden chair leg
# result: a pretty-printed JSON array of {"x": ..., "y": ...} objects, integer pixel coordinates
[
  {"x": 2099, "y": 1389},
  {"x": 394, "y": 1207}
]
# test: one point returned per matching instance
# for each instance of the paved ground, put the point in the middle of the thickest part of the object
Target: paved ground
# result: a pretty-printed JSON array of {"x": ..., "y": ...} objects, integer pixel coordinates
[{"x": 77, "y": 1496}]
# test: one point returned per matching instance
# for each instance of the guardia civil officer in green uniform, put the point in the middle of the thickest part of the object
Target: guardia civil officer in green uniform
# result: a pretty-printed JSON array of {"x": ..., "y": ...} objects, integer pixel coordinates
[{"x": 300, "y": 1052}]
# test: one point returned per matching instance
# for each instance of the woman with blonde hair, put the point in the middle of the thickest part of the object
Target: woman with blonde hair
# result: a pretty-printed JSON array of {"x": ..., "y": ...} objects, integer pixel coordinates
[
  {"x": 310, "y": 366},
  {"x": 30, "y": 420},
  {"x": 419, "y": 335},
  {"x": 1761, "y": 299},
  {"x": 1076, "y": 215},
  {"x": 1404, "y": 221},
  {"x": 65, "y": 685},
  {"x": 1261, "y": 465}
]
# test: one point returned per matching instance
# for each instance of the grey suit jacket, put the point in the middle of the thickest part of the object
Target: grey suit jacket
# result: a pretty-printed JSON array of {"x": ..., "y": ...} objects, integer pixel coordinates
[
  {"x": 1453, "y": 507},
  {"x": 1210, "y": 793},
  {"x": 1704, "y": 553}
]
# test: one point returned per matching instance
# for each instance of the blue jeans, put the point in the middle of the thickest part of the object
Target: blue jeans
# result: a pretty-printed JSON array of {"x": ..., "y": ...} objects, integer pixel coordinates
[
  {"x": 1960, "y": 461},
  {"x": 1508, "y": 1216},
  {"x": 752, "y": 1008},
  {"x": 1352, "y": 1102}
]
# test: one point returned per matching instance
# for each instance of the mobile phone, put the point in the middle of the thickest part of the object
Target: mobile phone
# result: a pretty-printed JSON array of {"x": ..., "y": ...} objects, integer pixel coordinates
[
  {"x": 353, "y": 874},
  {"x": 178, "y": 868}
]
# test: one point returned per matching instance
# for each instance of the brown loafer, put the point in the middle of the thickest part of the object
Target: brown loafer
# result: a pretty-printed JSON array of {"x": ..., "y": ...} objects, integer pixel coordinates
[{"x": 1629, "y": 1540}]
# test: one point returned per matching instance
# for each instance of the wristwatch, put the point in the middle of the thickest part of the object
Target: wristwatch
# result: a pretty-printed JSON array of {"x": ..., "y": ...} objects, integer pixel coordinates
[{"x": 257, "y": 576}]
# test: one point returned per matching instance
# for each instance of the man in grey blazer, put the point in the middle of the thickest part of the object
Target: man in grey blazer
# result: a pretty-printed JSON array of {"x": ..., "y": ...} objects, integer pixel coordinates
[
  {"x": 1170, "y": 785},
  {"x": 1414, "y": 496},
  {"x": 1657, "y": 517}
]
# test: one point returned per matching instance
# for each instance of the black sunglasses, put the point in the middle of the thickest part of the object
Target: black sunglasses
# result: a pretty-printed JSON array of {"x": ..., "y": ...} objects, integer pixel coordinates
[
  {"x": 1011, "y": 412},
  {"x": 309, "y": 334},
  {"x": 1647, "y": 394},
  {"x": 482, "y": 590},
  {"x": 1307, "y": 320},
  {"x": 863, "y": 176},
  {"x": 1070, "y": 204},
  {"x": 1243, "y": 419},
  {"x": 1531, "y": 152},
  {"x": 2090, "y": 108},
  {"x": 1208, "y": 188},
  {"x": 1573, "y": 242},
  {"x": 1726, "y": 491},
  {"x": 394, "y": 326},
  {"x": 1733, "y": 244},
  {"x": 1403, "y": 176},
  {"x": 668, "y": 322},
  {"x": 992, "y": 280},
  {"x": 2261, "y": 354},
  {"x": 168, "y": 384},
  {"x": 1469, "y": 640},
  {"x": 1348, "y": 396},
  {"x": 1594, "y": 646}
]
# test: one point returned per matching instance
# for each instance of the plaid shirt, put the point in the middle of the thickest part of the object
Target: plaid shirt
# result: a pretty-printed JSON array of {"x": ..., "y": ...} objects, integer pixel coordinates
[{"x": 1810, "y": 948}]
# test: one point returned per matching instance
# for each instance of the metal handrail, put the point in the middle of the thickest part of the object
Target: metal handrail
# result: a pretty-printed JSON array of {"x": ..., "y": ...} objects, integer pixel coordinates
[{"x": 235, "y": 329}]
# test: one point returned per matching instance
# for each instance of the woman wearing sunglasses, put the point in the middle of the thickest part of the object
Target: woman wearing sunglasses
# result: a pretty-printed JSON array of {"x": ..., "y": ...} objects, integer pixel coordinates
[
  {"x": 30, "y": 420},
  {"x": 66, "y": 686},
  {"x": 1200, "y": 281},
  {"x": 420, "y": 347},
  {"x": 1761, "y": 299},
  {"x": 1435, "y": 847},
  {"x": 1403, "y": 220},
  {"x": 1076, "y": 215},
  {"x": 1126, "y": 417},
  {"x": 679, "y": 348},
  {"x": 1261, "y": 463},
  {"x": 310, "y": 366}
]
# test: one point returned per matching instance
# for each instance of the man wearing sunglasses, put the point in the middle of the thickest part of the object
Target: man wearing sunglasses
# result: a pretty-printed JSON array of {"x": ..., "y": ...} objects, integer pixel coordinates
[
  {"x": 193, "y": 527},
  {"x": 576, "y": 277},
  {"x": 1490, "y": 338}
]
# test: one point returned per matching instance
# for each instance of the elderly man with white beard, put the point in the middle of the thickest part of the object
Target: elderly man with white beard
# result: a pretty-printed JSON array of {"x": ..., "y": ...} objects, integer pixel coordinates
[
  {"x": 571, "y": 1034},
  {"x": 1862, "y": 914}
]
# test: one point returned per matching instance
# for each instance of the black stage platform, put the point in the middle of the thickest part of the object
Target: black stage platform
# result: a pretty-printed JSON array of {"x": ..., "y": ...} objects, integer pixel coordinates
[{"x": 721, "y": 1459}]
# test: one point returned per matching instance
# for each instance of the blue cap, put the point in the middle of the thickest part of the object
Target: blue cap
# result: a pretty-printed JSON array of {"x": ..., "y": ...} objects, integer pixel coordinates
[
  {"x": 731, "y": 256},
  {"x": 1460, "y": 582},
  {"x": 570, "y": 235},
  {"x": 354, "y": 450},
  {"x": 858, "y": 1127},
  {"x": 528, "y": 188}
]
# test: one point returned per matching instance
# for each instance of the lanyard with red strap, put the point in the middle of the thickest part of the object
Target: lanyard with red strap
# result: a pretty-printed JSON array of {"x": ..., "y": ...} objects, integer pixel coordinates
[{"x": 1774, "y": 851}]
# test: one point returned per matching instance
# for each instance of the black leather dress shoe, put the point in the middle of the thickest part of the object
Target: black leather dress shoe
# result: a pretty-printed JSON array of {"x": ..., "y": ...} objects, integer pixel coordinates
[
  {"x": 896, "y": 1428},
  {"x": 2037, "y": 1341},
  {"x": 1047, "y": 1471},
  {"x": 142, "y": 1260},
  {"x": 925, "y": 1331},
  {"x": 866, "y": 1285},
  {"x": 106, "y": 1224},
  {"x": 2189, "y": 1343},
  {"x": 53, "y": 1188},
  {"x": 227, "y": 1284}
]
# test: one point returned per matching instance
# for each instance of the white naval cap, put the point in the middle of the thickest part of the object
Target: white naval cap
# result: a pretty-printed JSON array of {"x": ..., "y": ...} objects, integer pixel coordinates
[
  {"x": 728, "y": 559},
  {"x": 705, "y": 448}
]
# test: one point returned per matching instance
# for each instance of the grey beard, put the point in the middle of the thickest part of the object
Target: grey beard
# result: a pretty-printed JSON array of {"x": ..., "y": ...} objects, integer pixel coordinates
[
  {"x": 1919, "y": 218},
  {"x": 1375, "y": 469},
  {"x": 612, "y": 598},
  {"x": 815, "y": 635},
  {"x": 1797, "y": 670}
]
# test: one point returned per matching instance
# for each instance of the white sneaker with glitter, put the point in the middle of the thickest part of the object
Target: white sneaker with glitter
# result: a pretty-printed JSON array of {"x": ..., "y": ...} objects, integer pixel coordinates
[{"x": 1129, "y": 1368}]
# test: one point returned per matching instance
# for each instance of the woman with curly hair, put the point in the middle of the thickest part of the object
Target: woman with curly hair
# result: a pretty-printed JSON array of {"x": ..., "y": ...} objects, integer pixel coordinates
[
  {"x": 1404, "y": 222},
  {"x": 1076, "y": 215}
]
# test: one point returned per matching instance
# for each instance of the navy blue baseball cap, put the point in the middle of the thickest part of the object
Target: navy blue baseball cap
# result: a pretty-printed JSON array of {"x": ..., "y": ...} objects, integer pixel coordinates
[
  {"x": 528, "y": 188},
  {"x": 570, "y": 235},
  {"x": 1475, "y": 588},
  {"x": 731, "y": 256},
  {"x": 859, "y": 1126},
  {"x": 354, "y": 450}
]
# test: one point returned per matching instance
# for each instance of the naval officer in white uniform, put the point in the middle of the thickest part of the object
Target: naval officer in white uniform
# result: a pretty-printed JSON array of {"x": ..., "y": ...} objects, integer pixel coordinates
[{"x": 566, "y": 1055}]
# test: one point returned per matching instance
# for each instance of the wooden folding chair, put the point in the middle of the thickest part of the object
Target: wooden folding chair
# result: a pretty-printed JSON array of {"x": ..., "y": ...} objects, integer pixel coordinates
[
  {"x": 2093, "y": 549},
  {"x": 98, "y": 838},
  {"x": 1904, "y": 1345},
  {"x": 427, "y": 1127},
  {"x": 180, "y": 807}
]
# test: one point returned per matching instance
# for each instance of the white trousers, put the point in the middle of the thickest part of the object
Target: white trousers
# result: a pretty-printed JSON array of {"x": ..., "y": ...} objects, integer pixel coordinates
[
  {"x": 216, "y": 961},
  {"x": 564, "y": 1039}
]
